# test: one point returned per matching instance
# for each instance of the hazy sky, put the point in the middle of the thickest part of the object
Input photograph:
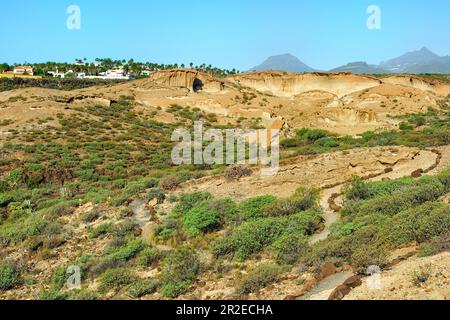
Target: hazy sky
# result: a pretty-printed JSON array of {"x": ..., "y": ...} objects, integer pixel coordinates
[{"x": 225, "y": 33}]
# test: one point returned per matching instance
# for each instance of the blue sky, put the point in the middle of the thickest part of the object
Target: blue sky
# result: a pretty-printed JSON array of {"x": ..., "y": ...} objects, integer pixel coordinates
[{"x": 226, "y": 33}]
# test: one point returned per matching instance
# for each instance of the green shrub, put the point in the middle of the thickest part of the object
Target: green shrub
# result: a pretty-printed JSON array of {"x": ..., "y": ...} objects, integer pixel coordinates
[
  {"x": 115, "y": 279},
  {"x": 128, "y": 252},
  {"x": 253, "y": 208},
  {"x": 258, "y": 278},
  {"x": 189, "y": 200},
  {"x": 208, "y": 216},
  {"x": 368, "y": 255},
  {"x": 52, "y": 295},
  {"x": 140, "y": 288},
  {"x": 288, "y": 248},
  {"x": 312, "y": 135},
  {"x": 341, "y": 229},
  {"x": 302, "y": 200},
  {"x": 403, "y": 199},
  {"x": 436, "y": 245},
  {"x": 156, "y": 193},
  {"x": 357, "y": 189},
  {"x": 9, "y": 276},
  {"x": 101, "y": 230},
  {"x": 148, "y": 256},
  {"x": 13, "y": 232},
  {"x": 419, "y": 224},
  {"x": 83, "y": 295},
  {"x": 252, "y": 236},
  {"x": 168, "y": 229},
  {"x": 178, "y": 270}
]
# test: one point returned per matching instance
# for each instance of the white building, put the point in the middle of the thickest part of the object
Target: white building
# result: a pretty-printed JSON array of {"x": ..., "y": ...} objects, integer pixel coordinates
[{"x": 114, "y": 74}]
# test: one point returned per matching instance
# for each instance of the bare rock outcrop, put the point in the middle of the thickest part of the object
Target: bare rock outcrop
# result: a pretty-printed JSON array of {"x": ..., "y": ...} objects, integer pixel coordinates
[
  {"x": 418, "y": 83},
  {"x": 286, "y": 84},
  {"x": 187, "y": 78}
]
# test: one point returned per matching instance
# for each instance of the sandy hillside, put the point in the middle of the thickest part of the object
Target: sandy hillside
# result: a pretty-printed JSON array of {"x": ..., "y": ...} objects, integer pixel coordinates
[{"x": 340, "y": 102}]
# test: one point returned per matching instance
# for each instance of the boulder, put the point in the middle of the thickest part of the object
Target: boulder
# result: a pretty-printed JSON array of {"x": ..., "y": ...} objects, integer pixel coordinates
[
  {"x": 353, "y": 281},
  {"x": 328, "y": 269},
  {"x": 340, "y": 292},
  {"x": 417, "y": 173}
]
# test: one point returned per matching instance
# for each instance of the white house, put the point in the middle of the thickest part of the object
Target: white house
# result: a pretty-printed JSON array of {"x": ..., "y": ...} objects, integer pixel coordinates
[{"x": 114, "y": 74}]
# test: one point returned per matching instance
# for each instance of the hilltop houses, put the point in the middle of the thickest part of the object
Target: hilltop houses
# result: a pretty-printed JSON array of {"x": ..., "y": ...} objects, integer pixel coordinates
[
  {"x": 20, "y": 71},
  {"x": 23, "y": 70},
  {"x": 114, "y": 74},
  {"x": 58, "y": 74}
]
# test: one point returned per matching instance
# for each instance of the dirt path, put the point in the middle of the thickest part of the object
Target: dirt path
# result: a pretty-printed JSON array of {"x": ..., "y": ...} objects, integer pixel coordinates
[
  {"x": 328, "y": 197},
  {"x": 330, "y": 216}
]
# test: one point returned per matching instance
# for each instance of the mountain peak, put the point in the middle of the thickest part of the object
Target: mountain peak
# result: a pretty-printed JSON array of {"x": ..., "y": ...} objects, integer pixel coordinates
[
  {"x": 414, "y": 58},
  {"x": 284, "y": 62},
  {"x": 359, "y": 67}
]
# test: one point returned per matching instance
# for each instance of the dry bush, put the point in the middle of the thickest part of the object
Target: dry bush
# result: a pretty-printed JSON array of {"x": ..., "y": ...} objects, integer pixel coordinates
[
  {"x": 170, "y": 183},
  {"x": 237, "y": 171}
]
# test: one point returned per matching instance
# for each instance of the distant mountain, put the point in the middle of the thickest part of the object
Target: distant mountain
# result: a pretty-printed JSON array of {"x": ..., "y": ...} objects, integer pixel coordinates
[
  {"x": 284, "y": 62},
  {"x": 360, "y": 67},
  {"x": 420, "y": 61}
]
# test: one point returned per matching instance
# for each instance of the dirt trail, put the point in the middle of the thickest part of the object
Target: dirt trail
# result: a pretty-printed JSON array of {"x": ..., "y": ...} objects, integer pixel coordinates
[
  {"x": 325, "y": 287},
  {"x": 330, "y": 216},
  {"x": 328, "y": 197}
]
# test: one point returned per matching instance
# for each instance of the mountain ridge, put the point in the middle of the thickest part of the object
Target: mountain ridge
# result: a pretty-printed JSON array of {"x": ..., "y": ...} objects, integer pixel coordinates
[
  {"x": 414, "y": 62},
  {"x": 285, "y": 62}
]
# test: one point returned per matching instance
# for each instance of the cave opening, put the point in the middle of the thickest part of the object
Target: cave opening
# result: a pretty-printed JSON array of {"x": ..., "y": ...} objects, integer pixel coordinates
[{"x": 198, "y": 85}]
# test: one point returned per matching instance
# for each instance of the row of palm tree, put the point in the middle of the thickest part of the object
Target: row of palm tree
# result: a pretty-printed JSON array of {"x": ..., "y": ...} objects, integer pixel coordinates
[{"x": 104, "y": 64}]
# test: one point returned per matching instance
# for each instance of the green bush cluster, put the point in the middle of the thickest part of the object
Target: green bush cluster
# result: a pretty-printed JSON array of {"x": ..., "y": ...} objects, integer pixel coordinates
[
  {"x": 302, "y": 200},
  {"x": 178, "y": 270},
  {"x": 148, "y": 256},
  {"x": 253, "y": 236},
  {"x": 254, "y": 207},
  {"x": 386, "y": 215},
  {"x": 390, "y": 198},
  {"x": 9, "y": 276},
  {"x": 288, "y": 248},
  {"x": 259, "y": 277},
  {"x": 189, "y": 200},
  {"x": 115, "y": 279},
  {"x": 140, "y": 288},
  {"x": 208, "y": 216}
]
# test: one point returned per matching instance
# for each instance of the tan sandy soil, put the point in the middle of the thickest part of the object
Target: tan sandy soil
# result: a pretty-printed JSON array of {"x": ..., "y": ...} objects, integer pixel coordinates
[
  {"x": 397, "y": 283},
  {"x": 343, "y": 103},
  {"x": 321, "y": 171}
]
